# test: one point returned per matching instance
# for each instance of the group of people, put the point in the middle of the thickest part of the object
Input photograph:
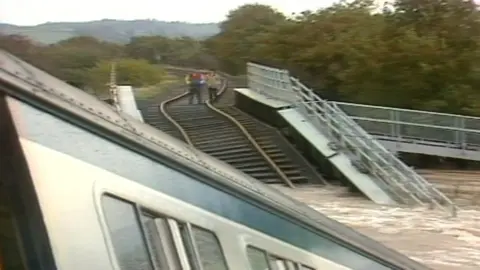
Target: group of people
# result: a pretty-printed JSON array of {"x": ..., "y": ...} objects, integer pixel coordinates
[{"x": 197, "y": 82}]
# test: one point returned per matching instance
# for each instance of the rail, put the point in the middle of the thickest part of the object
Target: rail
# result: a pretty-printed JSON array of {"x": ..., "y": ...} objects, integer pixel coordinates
[
  {"x": 252, "y": 141},
  {"x": 291, "y": 149},
  {"x": 163, "y": 105},
  {"x": 163, "y": 110},
  {"x": 430, "y": 128},
  {"x": 247, "y": 135}
]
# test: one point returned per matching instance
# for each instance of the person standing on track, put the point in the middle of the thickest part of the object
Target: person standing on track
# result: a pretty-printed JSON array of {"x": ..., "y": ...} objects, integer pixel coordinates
[
  {"x": 195, "y": 82},
  {"x": 213, "y": 82}
]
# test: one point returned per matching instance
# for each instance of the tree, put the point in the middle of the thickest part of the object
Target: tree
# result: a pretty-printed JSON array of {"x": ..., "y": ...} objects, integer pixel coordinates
[
  {"x": 420, "y": 54},
  {"x": 150, "y": 48},
  {"x": 318, "y": 47},
  {"x": 18, "y": 45},
  {"x": 243, "y": 30},
  {"x": 71, "y": 58},
  {"x": 137, "y": 73},
  {"x": 182, "y": 51},
  {"x": 449, "y": 67}
]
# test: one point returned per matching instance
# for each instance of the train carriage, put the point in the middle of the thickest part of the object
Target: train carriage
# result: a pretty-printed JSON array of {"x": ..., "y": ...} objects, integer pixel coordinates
[{"x": 86, "y": 187}]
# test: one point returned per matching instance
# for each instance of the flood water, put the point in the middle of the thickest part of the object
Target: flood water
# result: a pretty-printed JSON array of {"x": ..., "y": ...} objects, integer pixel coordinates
[{"x": 428, "y": 236}]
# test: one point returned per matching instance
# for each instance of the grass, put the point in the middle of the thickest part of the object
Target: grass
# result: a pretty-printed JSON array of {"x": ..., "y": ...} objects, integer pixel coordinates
[{"x": 150, "y": 91}]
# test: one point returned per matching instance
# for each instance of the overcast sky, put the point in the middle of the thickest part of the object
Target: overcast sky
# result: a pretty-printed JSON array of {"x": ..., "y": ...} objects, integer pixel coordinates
[{"x": 32, "y": 12}]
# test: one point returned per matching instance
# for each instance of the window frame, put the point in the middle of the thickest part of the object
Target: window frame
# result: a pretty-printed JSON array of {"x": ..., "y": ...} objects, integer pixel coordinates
[
  {"x": 109, "y": 240},
  {"x": 272, "y": 259},
  {"x": 217, "y": 240},
  {"x": 173, "y": 233},
  {"x": 163, "y": 250},
  {"x": 264, "y": 253}
]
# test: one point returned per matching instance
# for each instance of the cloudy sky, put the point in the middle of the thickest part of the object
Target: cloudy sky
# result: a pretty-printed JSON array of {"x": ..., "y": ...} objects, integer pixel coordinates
[{"x": 32, "y": 12}]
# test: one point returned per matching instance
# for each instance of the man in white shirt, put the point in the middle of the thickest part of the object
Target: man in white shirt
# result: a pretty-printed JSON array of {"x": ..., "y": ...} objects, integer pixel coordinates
[{"x": 213, "y": 82}]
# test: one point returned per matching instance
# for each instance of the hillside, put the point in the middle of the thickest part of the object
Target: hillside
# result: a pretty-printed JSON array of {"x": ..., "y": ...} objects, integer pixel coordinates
[{"x": 110, "y": 30}]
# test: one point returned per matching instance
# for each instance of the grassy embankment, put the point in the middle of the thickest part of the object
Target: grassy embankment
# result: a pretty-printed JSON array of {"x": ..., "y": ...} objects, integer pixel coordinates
[{"x": 166, "y": 83}]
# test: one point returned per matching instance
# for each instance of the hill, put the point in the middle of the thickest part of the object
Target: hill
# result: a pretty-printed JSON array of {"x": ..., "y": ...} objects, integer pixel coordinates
[{"x": 110, "y": 30}]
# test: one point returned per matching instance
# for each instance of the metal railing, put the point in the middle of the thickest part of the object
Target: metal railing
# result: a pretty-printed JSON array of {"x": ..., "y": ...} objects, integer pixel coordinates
[
  {"x": 271, "y": 82},
  {"x": 113, "y": 88},
  {"x": 366, "y": 154},
  {"x": 446, "y": 130}
]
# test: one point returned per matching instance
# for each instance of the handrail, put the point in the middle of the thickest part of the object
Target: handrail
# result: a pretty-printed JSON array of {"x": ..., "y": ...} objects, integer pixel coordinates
[
  {"x": 396, "y": 122},
  {"x": 397, "y": 109},
  {"x": 252, "y": 141},
  {"x": 397, "y": 175},
  {"x": 400, "y": 166}
]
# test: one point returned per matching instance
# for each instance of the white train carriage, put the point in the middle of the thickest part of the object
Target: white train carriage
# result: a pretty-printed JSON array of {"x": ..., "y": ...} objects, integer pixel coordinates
[{"x": 84, "y": 187}]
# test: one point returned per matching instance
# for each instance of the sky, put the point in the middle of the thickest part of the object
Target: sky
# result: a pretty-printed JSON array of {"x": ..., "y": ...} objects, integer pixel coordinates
[{"x": 32, "y": 12}]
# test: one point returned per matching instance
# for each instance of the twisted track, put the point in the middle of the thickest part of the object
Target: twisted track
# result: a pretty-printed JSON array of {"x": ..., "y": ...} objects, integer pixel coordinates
[{"x": 230, "y": 136}]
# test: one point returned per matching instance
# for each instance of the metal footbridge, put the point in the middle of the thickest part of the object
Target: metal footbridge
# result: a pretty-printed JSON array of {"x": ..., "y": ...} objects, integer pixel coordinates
[
  {"x": 360, "y": 145},
  {"x": 421, "y": 132}
]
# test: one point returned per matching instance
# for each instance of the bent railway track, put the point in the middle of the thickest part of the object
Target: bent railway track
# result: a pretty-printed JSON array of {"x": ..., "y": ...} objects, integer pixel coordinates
[{"x": 232, "y": 136}]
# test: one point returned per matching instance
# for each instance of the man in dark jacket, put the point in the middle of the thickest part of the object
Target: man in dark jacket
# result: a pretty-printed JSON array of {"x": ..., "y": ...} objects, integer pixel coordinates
[{"x": 195, "y": 82}]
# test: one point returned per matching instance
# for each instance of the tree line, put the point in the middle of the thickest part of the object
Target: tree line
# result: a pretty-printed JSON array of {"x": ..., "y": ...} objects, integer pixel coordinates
[
  {"x": 85, "y": 62},
  {"x": 416, "y": 54}
]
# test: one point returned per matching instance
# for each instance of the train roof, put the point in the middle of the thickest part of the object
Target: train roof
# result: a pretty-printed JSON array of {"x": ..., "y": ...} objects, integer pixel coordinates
[{"x": 34, "y": 86}]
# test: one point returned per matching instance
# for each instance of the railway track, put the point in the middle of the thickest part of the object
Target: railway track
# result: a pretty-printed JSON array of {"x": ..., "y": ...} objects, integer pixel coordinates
[
  {"x": 233, "y": 137},
  {"x": 283, "y": 154},
  {"x": 151, "y": 108},
  {"x": 152, "y": 113}
]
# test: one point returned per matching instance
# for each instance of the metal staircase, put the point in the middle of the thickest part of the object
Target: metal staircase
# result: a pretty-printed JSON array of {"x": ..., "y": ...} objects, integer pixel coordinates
[{"x": 369, "y": 157}]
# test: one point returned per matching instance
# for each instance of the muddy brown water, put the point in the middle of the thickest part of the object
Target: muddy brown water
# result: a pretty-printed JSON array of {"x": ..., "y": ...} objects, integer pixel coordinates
[{"x": 428, "y": 236}]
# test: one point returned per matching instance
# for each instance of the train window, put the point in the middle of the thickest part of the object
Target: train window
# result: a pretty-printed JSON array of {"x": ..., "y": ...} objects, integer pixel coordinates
[
  {"x": 127, "y": 239},
  {"x": 278, "y": 263},
  {"x": 258, "y": 259},
  {"x": 262, "y": 260},
  {"x": 160, "y": 242},
  {"x": 209, "y": 249},
  {"x": 293, "y": 265},
  {"x": 202, "y": 248}
]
